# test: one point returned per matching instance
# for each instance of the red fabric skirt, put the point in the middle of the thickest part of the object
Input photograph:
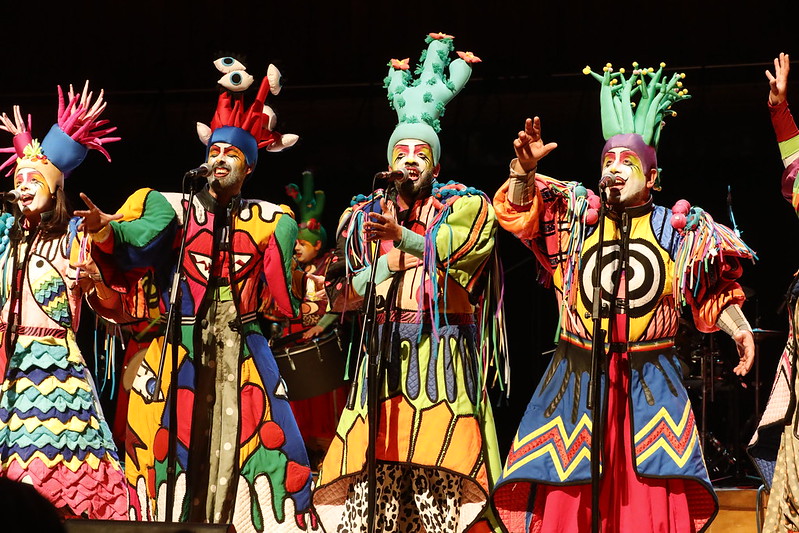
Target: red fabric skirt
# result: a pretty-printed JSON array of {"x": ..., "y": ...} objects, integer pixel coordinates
[{"x": 627, "y": 502}]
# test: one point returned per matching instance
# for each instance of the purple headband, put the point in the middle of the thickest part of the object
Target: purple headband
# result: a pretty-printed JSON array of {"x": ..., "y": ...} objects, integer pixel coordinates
[{"x": 636, "y": 143}]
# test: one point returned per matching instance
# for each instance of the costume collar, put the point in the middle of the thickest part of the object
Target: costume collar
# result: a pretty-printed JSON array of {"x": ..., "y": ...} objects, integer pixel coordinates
[
  {"x": 634, "y": 212},
  {"x": 209, "y": 203}
]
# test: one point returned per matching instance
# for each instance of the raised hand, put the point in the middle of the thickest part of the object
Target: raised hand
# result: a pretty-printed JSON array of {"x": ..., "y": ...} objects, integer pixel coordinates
[
  {"x": 93, "y": 218},
  {"x": 383, "y": 227},
  {"x": 778, "y": 82},
  {"x": 529, "y": 146}
]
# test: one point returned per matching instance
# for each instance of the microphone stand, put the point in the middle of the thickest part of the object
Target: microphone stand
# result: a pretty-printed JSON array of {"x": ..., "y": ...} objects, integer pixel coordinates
[
  {"x": 597, "y": 354},
  {"x": 373, "y": 374},
  {"x": 173, "y": 338}
]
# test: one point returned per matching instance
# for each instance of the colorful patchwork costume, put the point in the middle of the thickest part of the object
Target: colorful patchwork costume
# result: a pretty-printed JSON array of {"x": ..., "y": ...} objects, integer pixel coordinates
[
  {"x": 53, "y": 434},
  {"x": 436, "y": 445},
  {"x": 317, "y": 416},
  {"x": 653, "y": 473},
  {"x": 240, "y": 457},
  {"x": 774, "y": 447}
]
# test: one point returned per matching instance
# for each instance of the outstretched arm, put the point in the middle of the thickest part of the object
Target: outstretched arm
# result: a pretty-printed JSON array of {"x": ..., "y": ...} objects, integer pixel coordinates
[
  {"x": 94, "y": 219},
  {"x": 784, "y": 125}
]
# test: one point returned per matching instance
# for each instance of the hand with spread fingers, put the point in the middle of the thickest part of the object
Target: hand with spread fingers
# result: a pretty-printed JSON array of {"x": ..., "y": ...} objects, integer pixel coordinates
[
  {"x": 529, "y": 146},
  {"x": 778, "y": 82},
  {"x": 94, "y": 219},
  {"x": 383, "y": 226}
]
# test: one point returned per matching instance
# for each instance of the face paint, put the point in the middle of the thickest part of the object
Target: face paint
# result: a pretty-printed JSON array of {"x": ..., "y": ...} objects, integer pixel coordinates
[
  {"x": 35, "y": 195},
  {"x": 228, "y": 168},
  {"x": 305, "y": 252},
  {"x": 415, "y": 157},
  {"x": 631, "y": 187}
]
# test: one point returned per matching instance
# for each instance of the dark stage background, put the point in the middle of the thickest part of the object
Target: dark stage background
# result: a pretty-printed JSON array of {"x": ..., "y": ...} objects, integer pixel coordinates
[{"x": 154, "y": 61}]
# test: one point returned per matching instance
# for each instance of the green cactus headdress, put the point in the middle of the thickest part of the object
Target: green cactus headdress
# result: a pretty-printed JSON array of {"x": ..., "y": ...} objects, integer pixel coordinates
[
  {"x": 310, "y": 204},
  {"x": 637, "y": 125},
  {"x": 420, "y": 102}
]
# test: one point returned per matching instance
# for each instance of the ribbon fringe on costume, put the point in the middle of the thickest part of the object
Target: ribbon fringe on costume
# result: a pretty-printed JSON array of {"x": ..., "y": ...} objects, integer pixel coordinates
[
  {"x": 574, "y": 195},
  {"x": 704, "y": 244}
]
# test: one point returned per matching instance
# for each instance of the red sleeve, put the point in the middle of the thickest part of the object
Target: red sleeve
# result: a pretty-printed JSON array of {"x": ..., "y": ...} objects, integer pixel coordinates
[{"x": 782, "y": 120}]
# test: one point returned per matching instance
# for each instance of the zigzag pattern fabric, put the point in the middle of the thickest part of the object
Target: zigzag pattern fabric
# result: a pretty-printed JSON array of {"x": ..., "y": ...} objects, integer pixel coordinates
[
  {"x": 50, "y": 292},
  {"x": 53, "y": 434}
]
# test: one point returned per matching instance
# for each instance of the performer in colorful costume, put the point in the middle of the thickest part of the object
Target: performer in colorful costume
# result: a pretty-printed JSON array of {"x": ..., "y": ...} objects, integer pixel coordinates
[
  {"x": 317, "y": 416},
  {"x": 774, "y": 447},
  {"x": 240, "y": 457},
  {"x": 53, "y": 434},
  {"x": 312, "y": 257},
  {"x": 655, "y": 259},
  {"x": 436, "y": 444}
]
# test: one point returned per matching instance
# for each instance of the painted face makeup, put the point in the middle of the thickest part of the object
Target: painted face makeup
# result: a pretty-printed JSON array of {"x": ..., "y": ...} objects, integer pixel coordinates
[
  {"x": 415, "y": 157},
  {"x": 631, "y": 186},
  {"x": 305, "y": 252},
  {"x": 35, "y": 195},
  {"x": 228, "y": 168}
]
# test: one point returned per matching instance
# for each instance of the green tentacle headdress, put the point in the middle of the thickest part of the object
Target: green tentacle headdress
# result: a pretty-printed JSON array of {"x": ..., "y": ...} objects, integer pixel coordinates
[
  {"x": 637, "y": 125},
  {"x": 420, "y": 102},
  {"x": 310, "y": 204}
]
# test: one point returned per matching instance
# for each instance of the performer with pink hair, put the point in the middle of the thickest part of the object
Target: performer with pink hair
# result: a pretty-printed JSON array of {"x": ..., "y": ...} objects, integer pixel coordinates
[{"x": 52, "y": 431}]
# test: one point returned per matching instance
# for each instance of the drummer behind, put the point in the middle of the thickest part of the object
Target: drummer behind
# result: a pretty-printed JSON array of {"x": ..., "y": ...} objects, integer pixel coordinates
[{"x": 317, "y": 417}]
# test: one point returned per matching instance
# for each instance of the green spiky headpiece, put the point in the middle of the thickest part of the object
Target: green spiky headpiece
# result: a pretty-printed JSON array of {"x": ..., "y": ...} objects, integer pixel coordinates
[
  {"x": 637, "y": 125},
  {"x": 420, "y": 102},
  {"x": 310, "y": 204}
]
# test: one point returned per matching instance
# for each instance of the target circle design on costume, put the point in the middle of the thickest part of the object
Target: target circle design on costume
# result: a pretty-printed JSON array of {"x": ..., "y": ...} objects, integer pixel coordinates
[{"x": 645, "y": 275}]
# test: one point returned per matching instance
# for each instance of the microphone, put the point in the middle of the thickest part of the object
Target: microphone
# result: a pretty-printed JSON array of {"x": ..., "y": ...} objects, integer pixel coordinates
[
  {"x": 606, "y": 181},
  {"x": 392, "y": 175},
  {"x": 200, "y": 172},
  {"x": 11, "y": 196}
]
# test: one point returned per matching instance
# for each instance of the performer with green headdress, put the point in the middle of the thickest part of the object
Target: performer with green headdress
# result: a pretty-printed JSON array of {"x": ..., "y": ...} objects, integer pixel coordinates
[
  {"x": 312, "y": 257},
  {"x": 654, "y": 261},
  {"x": 436, "y": 444},
  {"x": 317, "y": 416}
]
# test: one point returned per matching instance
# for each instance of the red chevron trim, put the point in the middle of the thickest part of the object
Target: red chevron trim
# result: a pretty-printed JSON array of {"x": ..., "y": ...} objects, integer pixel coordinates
[
  {"x": 554, "y": 437},
  {"x": 679, "y": 444}
]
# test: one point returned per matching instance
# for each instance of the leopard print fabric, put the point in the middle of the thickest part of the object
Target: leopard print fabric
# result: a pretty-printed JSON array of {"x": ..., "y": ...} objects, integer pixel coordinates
[{"x": 409, "y": 500}]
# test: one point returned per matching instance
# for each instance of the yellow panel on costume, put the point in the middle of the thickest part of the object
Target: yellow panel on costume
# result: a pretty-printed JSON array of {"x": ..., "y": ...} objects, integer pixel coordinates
[
  {"x": 435, "y": 423},
  {"x": 144, "y": 414},
  {"x": 397, "y": 417},
  {"x": 647, "y": 257},
  {"x": 464, "y": 446}
]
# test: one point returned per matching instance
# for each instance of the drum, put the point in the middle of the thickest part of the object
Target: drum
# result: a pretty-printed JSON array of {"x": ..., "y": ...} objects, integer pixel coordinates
[{"x": 311, "y": 367}]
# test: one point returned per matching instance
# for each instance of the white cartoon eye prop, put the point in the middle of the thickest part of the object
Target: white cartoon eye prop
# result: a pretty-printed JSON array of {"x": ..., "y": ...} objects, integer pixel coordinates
[
  {"x": 204, "y": 133},
  {"x": 228, "y": 64},
  {"x": 144, "y": 383},
  {"x": 236, "y": 81},
  {"x": 268, "y": 111},
  {"x": 274, "y": 77},
  {"x": 287, "y": 140}
]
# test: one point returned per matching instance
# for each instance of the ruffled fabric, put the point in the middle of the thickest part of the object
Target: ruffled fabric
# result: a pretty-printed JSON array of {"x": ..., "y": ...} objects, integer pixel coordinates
[{"x": 53, "y": 434}]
